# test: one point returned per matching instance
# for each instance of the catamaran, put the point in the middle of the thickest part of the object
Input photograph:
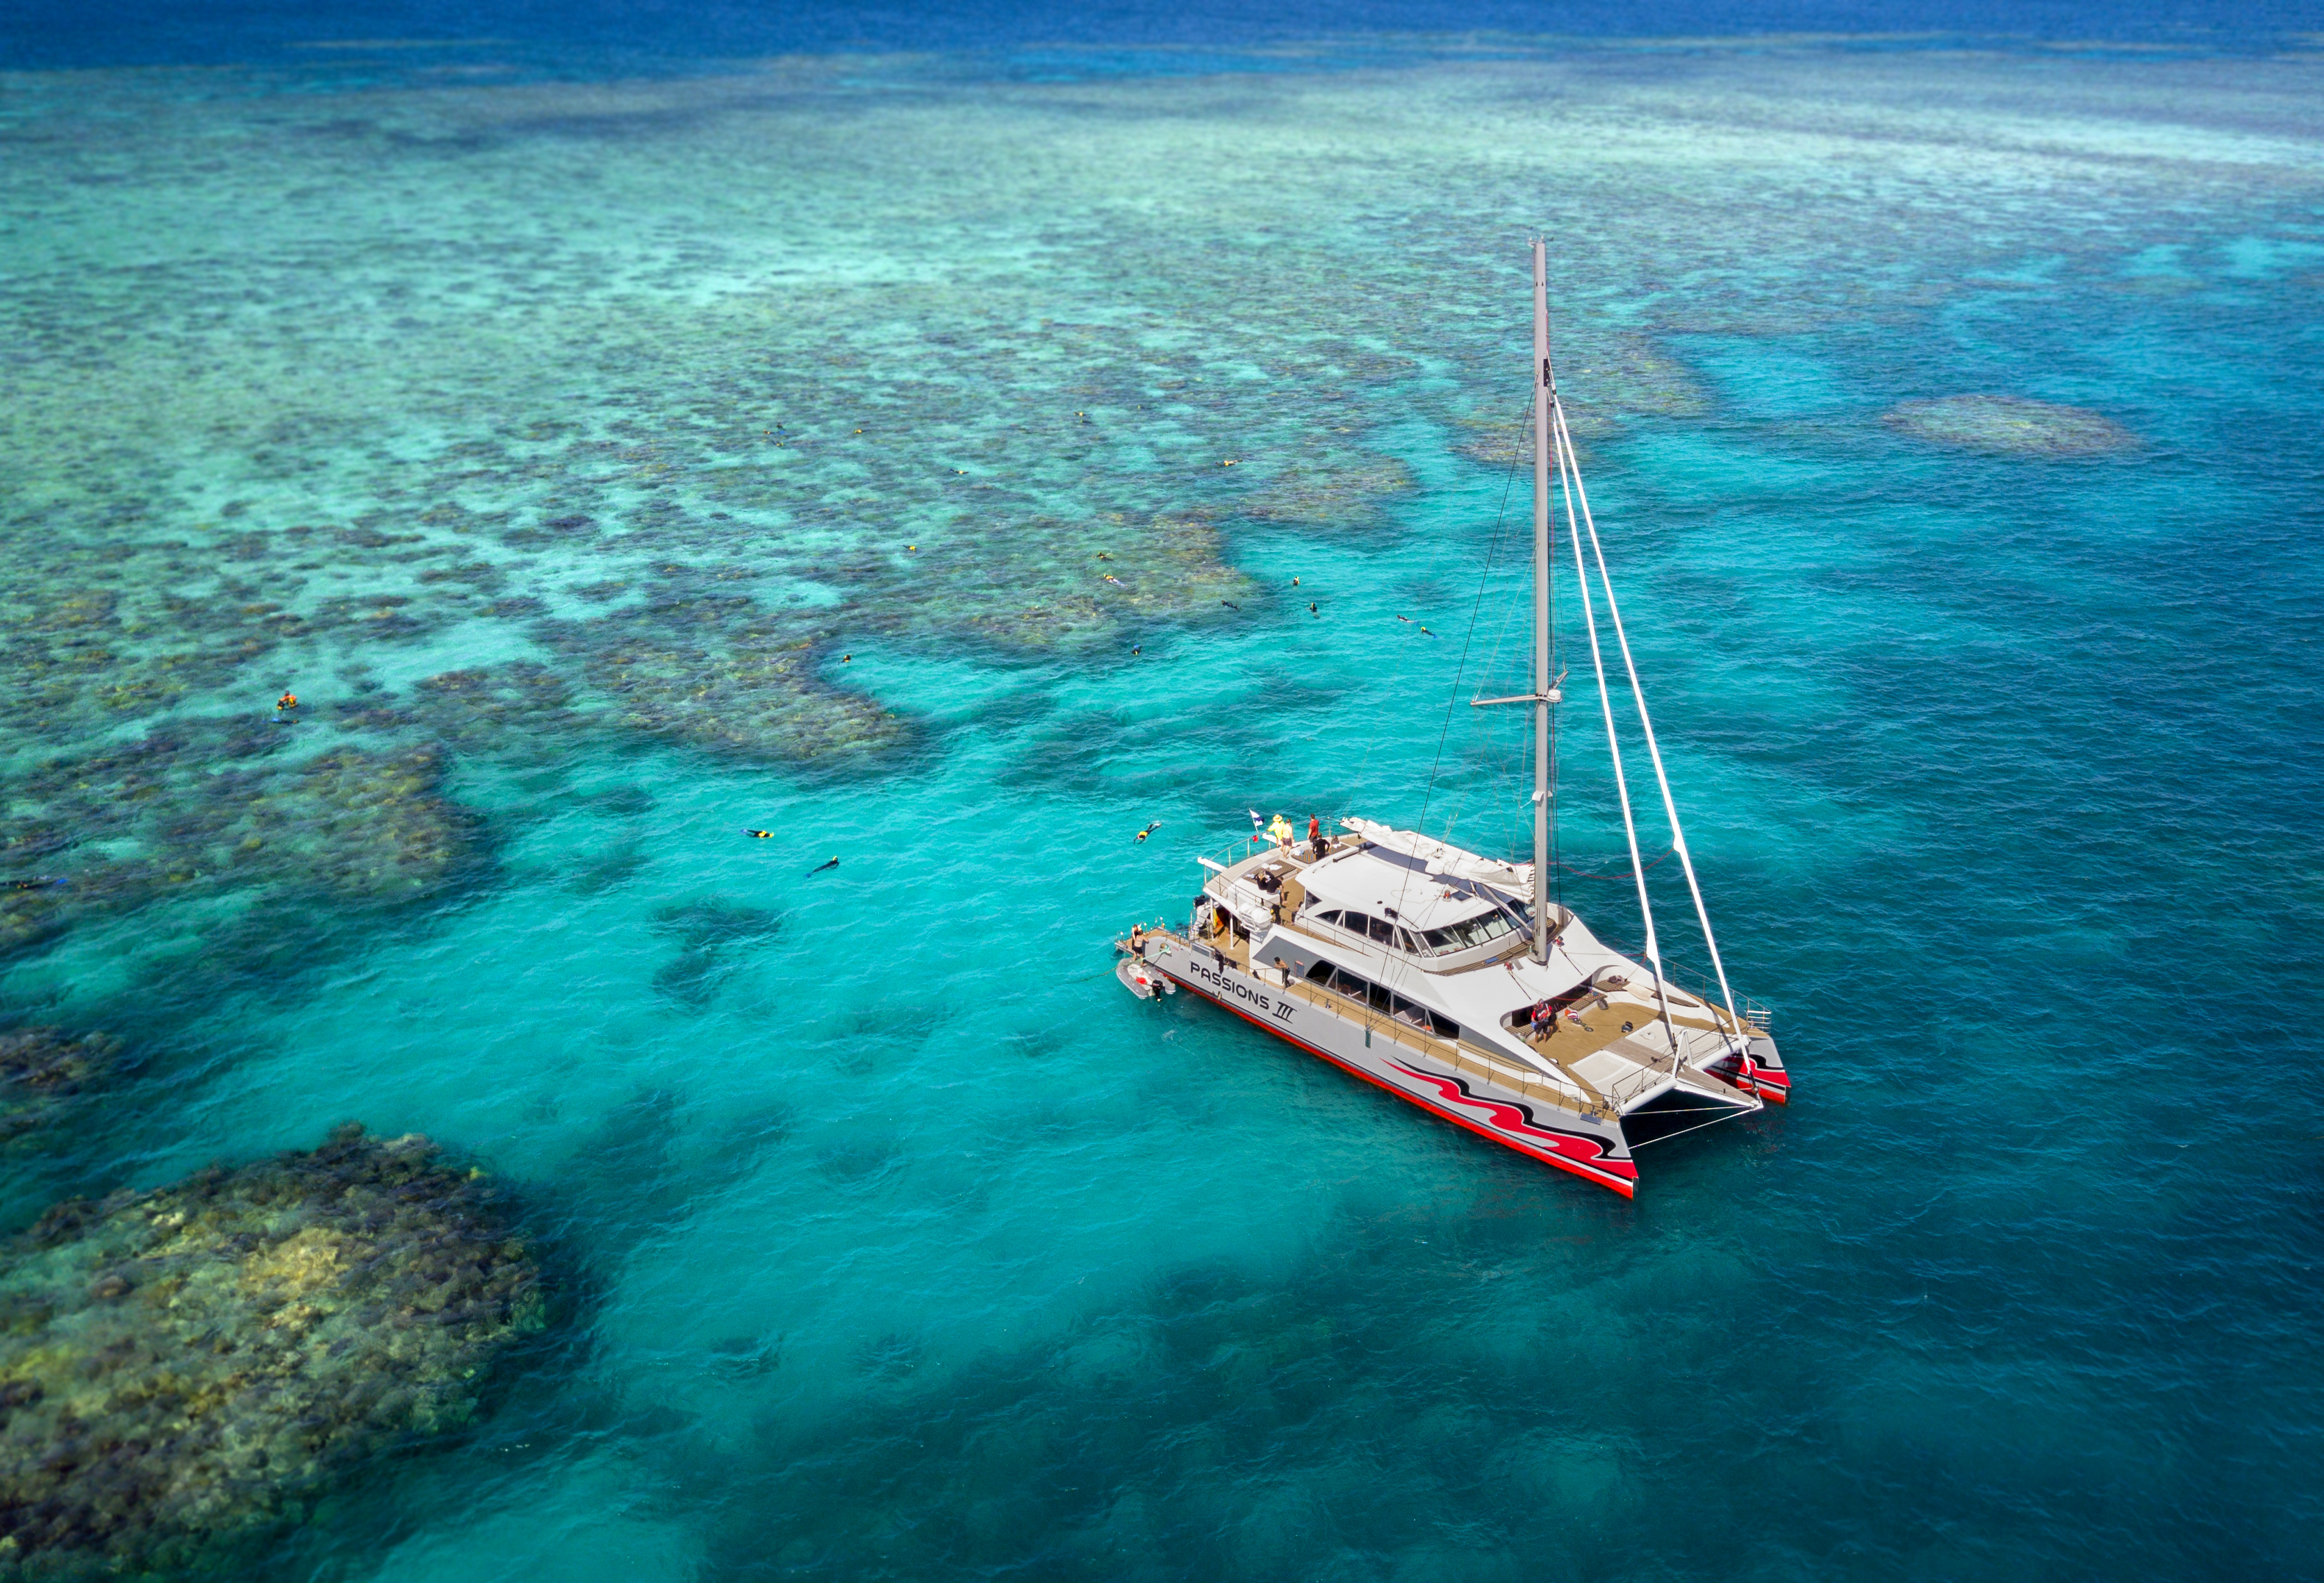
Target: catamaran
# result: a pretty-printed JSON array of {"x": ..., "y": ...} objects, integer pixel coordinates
[{"x": 1459, "y": 981}]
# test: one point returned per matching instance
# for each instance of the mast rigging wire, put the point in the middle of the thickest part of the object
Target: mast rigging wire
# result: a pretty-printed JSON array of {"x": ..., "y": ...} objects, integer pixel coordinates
[
  {"x": 1420, "y": 825},
  {"x": 1645, "y": 723}
]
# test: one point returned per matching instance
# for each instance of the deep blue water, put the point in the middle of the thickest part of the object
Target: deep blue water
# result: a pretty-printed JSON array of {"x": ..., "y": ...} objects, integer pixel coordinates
[
  {"x": 2000, "y": 765},
  {"x": 604, "y": 33}
]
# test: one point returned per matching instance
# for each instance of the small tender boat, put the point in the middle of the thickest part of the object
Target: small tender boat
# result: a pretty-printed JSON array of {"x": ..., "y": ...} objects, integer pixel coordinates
[{"x": 1447, "y": 977}]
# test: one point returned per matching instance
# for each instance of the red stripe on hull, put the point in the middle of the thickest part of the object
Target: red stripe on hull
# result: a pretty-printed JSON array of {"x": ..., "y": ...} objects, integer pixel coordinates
[
  {"x": 1587, "y": 1174},
  {"x": 1512, "y": 1118}
]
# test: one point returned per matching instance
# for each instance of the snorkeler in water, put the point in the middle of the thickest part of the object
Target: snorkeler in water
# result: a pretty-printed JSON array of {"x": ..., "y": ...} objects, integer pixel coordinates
[
  {"x": 760, "y": 834},
  {"x": 1149, "y": 829},
  {"x": 819, "y": 868}
]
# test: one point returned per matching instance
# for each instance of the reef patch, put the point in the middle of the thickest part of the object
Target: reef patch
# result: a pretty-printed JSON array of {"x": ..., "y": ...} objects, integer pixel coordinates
[
  {"x": 184, "y": 1370},
  {"x": 2011, "y": 425},
  {"x": 46, "y": 1073},
  {"x": 211, "y": 807}
]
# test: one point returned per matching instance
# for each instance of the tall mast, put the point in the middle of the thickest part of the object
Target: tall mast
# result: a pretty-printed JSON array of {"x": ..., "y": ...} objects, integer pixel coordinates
[{"x": 1545, "y": 389}]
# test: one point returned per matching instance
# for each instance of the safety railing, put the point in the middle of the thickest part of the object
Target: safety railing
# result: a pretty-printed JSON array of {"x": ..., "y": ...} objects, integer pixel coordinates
[
  {"x": 1694, "y": 983},
  {"x": 1517, "y": 1080}
]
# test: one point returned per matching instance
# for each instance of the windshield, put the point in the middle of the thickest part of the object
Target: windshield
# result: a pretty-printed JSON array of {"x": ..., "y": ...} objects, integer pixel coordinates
[{"x": 1470, "y": 933}]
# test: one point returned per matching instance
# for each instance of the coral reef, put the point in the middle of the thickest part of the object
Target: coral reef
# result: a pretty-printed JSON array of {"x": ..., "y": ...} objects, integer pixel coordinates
[
  {"x": 1603, "y": 378},
  {"x": 755, "y": 693},
  {"x": 707, "y": 460},
  {"x": 1327, "y": 487},
  {"x": 184, "y": 1370},
  {"x": 1051, "y": 590},
  {"x": 212, "y": 806},
  {"x": 2011, "y": 425},
  {"x": 45, "y": 1073}
]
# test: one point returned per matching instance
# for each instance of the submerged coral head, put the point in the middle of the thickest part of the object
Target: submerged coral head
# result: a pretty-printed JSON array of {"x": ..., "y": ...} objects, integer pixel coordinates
[
  {"x": 185, "y": 1369},
  {"x": 2010, "y": 425}
]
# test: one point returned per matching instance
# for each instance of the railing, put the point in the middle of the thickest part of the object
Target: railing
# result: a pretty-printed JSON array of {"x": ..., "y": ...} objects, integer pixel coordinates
[
  {"x": 1249, "y": 846},
  {"x": 1243, "y": 851},
  {"x": 1521, "y": 1079},
  {"x": 1754, "y": 1015}
]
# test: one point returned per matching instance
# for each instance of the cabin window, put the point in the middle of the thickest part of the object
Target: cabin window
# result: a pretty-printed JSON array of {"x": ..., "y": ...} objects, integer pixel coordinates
[
  {"x": 1383, "y": 1002},
  {"x": 1466, "y": 935},
  {"x": 1380, "y": 930},
  {"x": 1421, "y": 1017},
  {"x": 1470, "y": 933}
]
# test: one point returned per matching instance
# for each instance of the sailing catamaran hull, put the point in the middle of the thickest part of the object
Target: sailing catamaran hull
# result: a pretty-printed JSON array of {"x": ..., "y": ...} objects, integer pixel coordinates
[
  {"x": 1460, "y": 982},
  {"x": 1767, "y": 1077},
  {"x": 1593, "y": 1150}
]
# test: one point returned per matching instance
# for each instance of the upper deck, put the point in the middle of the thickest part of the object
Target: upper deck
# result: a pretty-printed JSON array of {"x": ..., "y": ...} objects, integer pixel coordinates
[{"x": 1401, "y": 938}]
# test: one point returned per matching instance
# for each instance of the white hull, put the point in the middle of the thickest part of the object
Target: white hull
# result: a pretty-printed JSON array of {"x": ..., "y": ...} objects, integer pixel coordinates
[
  {"x": 1574, "y": 1060},
  {"x": 1518, "y": 1111}
]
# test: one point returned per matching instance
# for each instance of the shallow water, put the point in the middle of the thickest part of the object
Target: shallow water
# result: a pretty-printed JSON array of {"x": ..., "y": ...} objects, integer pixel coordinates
[{"x": 741, "y": 441}]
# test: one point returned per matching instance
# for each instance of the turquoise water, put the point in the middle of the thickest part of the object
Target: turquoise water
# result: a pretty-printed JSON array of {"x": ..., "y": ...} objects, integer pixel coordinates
[{"x": 612, "y": 464}]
